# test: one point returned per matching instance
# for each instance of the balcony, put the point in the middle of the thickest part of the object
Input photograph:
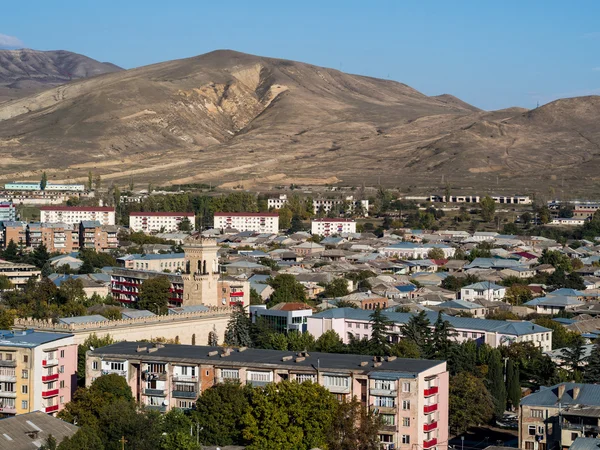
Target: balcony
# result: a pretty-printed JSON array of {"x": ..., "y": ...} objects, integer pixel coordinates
[
  {"x": 428, "y": 409},
  {"x": 188, "y": 378},
  {"x": 431, "y": 391},
  {"x": 50, "y": 393},
  {"x": 580, "y": 427},
  {"x": 51, "y": 409},
  {"x": 8, "y": 409},
  {"x": 7, "y": 394},
  {"x": 384, "y": 392},
  {"x": 49, "y": 362},
  {"x": 158, "y": 408},
  {"x": 430, "y": 443},
  {"x": 185, "y": 394},
  {"x": 384, "y": 409},
  {"x": 8, "y": 363},
  {"x": 10, "y": 377},
  {"x": 155, "y": 392},
  {"x": 47, "y": 378},
  {"x": 429, "y": 426}
]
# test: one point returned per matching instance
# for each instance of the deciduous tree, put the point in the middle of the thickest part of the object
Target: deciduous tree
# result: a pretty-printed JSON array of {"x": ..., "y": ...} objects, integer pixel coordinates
[
  {"x": 154, "y": 294},
  {"x": 470, "y": 403}
]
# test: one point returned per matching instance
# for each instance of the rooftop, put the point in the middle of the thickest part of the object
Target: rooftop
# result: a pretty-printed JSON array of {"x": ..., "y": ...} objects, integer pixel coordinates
[
  {"x": 31, "y": 430},
  {"x": 162, "y": 214},
  {"x": 78, "y": 208},
  {"x": 589, "y": 395},
  {"x": 245, "y": 214},
  {"x": 28, "y": 338}
]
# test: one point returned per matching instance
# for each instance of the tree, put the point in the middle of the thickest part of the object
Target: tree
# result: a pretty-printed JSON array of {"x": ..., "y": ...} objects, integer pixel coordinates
[
  {"x": 488, "y": 208},
  {"x": 298, "y": 342},
  {"x": 112, "y": 313},
  {"x": 154, "y": 294},
  {"x": 286, "y": 289},
  {"x": 296, "y": 224},
  {"x": 44, "y": 181},
  {"x": 86, "y": 437},
  {"x": 238, "y": 328},
  {"x": 71, "y": 290},
  {"x": 255, "y": 298},
  {"x": 556, "y": 259},
  {"x": 354, "y": 427},
  {"x": 513, "y": 385},
  {"x": 219, "y": 411},
  {"x": 441, "y": 343},
  {"x": 285, "y": 218},
  {"x": 436, "y": 253},
  {"x": 50, "y": 443},
  {"x": 379, "y": 342},
  {"x": 5, "y": 283},
  {"x": 86, "y": 268},
  {"x": 591, "y": 372},
  {"x": 470, "y": 403},
  {"x": 90, "y": 182},
  {"x": 517, "y": 295},
  {"x": 495, "y": 382},
  {"x": 573, "y": 355},
  {"x": 185, "y": 225},
  {"x": 337, "y": 288},
  {"x": 417, "y": 330},
  {"x": 561, "y": 337},
  {"x": 329, "y": 342},
  {"x": 11, "y": 252},
  {"x": 92, "y": 341},
  {"x": 97, "y": 182}
]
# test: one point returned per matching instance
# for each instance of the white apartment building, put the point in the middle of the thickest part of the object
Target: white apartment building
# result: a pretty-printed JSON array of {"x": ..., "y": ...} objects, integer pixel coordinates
[
  {"x": 49, "y": 187},
  {"x": 73, "y": 215},
  {"x": 277, "y": 203},
  {"x": 328, "y": 227},
  {"x": 258, "y": 222},
  {"x": 163, "y": 222},
  {"x": 324, "y": 204}
]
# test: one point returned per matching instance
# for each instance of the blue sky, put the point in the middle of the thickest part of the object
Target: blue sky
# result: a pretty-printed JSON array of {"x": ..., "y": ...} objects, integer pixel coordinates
[{"x": 491, "y": 54}]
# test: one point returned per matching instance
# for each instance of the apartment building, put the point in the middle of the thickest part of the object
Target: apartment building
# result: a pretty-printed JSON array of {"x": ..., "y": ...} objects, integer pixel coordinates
[
  {"x": 348, "y": 322},
  {"x": 160, "y": 262},
  {"x": 73, "y": 215},
  {"x": 410, "y": 395},
  {"x": 410, "y": 250},
  {"x": 159, "y": 222},
  {"x": 328, "y": 227},
  {"x": 14, "y": 231},
  {"x": 93, "y": 235},
  {"x": 257, "y": 222},
  {"x": 325, "y": 204},
  {"x": 18, "y": 273},
  {"x": 57, "y": 237},
  {"x": 126, "y": 284},
  {"x": 51, "y": 187},
  {"x": 500, "y": 199},
  {"x": 554, "y": 417},
  {"x": 37, "y": 371},
  {"x": 8, "y": 212}
]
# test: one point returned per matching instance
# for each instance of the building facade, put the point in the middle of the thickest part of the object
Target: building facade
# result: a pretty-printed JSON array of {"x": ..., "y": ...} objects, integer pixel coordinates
[
  {"x": 172, "y": 262},
  {"x": 257, "y": 222},
  {"x": 51, "y": 187},
  {"x": 282, "y": 317},
  {"x": 328, "y": 227},
  {"x": 14, "y": 231},
  {"x": 57, "y": 237},
  {"x": 95, "y": 236},
  {"x": 8, "y": 212},
  {"x": 410, "y": 395},
  {"x": 73, "y": 215},
  {"x": 159, "y": 222},
  {"x": 18, "y": 273},
  {"x": 37, "y": 371}
]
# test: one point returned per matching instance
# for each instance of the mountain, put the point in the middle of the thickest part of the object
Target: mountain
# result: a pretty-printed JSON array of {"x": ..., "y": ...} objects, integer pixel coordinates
[
  {"x": 24, "y": 72},
  {"x": 240, "y": 120}
]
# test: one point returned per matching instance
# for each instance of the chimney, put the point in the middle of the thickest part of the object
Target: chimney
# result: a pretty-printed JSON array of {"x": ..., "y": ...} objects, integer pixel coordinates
[
  {"x": 561, "y": 391},
  {"x": 576, "y": 390}
]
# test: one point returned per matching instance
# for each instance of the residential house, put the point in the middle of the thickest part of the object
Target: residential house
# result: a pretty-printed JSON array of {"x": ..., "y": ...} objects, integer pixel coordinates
[{"x": 483, "y": 290}]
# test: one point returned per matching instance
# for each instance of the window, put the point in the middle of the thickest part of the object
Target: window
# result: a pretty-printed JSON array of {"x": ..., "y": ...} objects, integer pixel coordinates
[
  {"x": 405, "y": 405},
  {"x": 62, "y": 399},
  {"x": 185, "y": 404},
  {"x": 540, "y": 430},
  {"x": 62, "y": 353},
  {"x": 528, "y": 445},
  {"x": 302, "y": 377},
  {"x": 260, "y": 376},
  {"x": 335, "y": 381},
  {"x": 62, "y": 369},
  {"x": 406, "y": 421},
  {"x": 9, "y": 356},
  {"x": 25, "y": 359},
  {"x": 366, "y": 326},
  {"x": 474, "y": 335},
  {"x": 349, "y": 324},
  {"x": 385, "y": 402},
  {"x": 62, "y": 384},
  {"x": 405, "y": 387},
  {"x": 537, "y": 413},
  {"x": 113, "y": 366},
  {"x": 574, "y": 436},
  {"x": 385, "y": 385},
  {"x": 230, "y": 374},
  {"x": 531, "y": 430},
  {"x": 465, "y": 334},
  {"x": 405, "y": 439},
  {"x": 95, "y": 365},
  {"x": 24, "y": 389},
  {"x": 24, "y": 404},
  {"x": 25, "y": 374}
]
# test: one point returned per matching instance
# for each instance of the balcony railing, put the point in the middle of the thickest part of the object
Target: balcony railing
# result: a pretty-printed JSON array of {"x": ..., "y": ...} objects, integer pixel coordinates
[
  {"x": 189, "y": 378},
  {"x": 431, "y": 391},
  {"x": 430, "y": 443},
  {"x": 50, "y": 393},
  {"x": 160, "y": 408},
  {"x": 49, "y": 362},
  {"x": 122, "y": 373},
  {"x": 8, "y": 409},
  {"x": 429, "y": 426},
  {"x": 579, "y": 427},
  {"x": 51, "y": 409},
  {"x": 185, "y": 394},
  {"x": 47, "y": 378},
  {"x": 9, "y": 363},
  {"x": 8, "y": 394},
  {"x": 384, "y": 392},
  {"x": 427, "y": 409},
  {"x": 155, "y": 392},
  {"x": 8, "y": 377}
]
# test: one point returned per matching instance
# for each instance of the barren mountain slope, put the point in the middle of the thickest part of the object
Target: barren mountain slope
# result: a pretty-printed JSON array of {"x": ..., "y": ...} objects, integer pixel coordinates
[
  {"x": 24, "y": 72},
  {"x": 243, "y": 120}
]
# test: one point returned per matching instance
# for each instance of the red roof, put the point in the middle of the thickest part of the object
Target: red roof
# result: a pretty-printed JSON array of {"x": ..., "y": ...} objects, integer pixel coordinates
[
  {"x": 333, "y": 220},
  {"x": 78, "y": 208},
  {"x": 162, "y": 214},
  {"x": 243, "y": 214},
  {"x": 526, "y": 255}
]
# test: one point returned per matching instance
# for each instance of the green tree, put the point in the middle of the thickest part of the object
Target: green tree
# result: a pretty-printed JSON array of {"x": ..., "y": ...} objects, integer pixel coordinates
[
  {"x": 285, "y": 218},
  {"x": 238, "y": 328},
  {"x": 573, "y": 355},
  {"x": 418, "y": 331},
  {"x": 556, "y": 259},
  {"x": 379, "y": 342},
  {"x": 176, "y": 428},
  {"x": 90, "y": 182},
  {"x": 513, "y": 385},
  {"x": 517, "y": 295},
  {"x": 85, "y": 438},
  {"x": 495, "y": 383},
  {"x": 7, "y": 318},
  {"x": 354, "y": 427},
  {"x": 154, "y": 294},
  {"x": 591, "y": 372},
  {"x": 185, "y": 225},
  {"x": 71, "y": 290},
  {"x": 337, "y": 288},
  {"x": 44, "y": 181},
  {"x": 112, "y": 313},
  {"x": 436, "y": 253},
  {"x": 286, "y": 289},
  {"x": 50, "y": 443},
  {"x": 11, "y": 252},
  {"x": 298, "y": 342},
  {"x": 488, "y": 208},
  {"x": 406, "y": 349},
  {"x": 441, "y": 343},
  {"x": 561, "y": 337},
  {"x": 470, "y": 403},
  {"x": 329, "y": 342},
  {"x": 5, "y": 283},
  {"x": 255, "y": 298}
]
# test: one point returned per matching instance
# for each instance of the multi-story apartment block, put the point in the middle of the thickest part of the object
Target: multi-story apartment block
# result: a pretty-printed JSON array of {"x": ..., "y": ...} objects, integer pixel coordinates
[
  {"x": 37, "y": 371},
  {"x": 50, "y": 187},
  {"x": 415, "y": 251},
  {"x": 57, "y": 237},
  {"x": 126, "y": 284},
  {"x": 8, "y": 212},
  {"x": 410, "y": 395},
  {"x": 161, "y": 262},
  {"x": 554, "y": 417},
  {"x": 159, "y": 222},
  {"x": 325, "y": 204},
  {"x": 348, "y": 322},
  {"x": 14, "y": 231},
  {"x": 277, "y": 203},
  {"x": 500, "y": 199},
  {"x": 73, "y": 215},
  {"x": 258, "y": 222},
  {"x": 328, "y": 227},
  {"x": 18, "y": 273},
  {"x": 94, "y": 235}
]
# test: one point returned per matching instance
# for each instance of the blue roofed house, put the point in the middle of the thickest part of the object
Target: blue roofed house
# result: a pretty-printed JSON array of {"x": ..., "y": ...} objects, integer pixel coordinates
[
  {"x": 456, "y": 306},
  {"x": 483, "y": 290},
  {"x": 555, "y": 417},
  {"x": 553, "y": 304}
]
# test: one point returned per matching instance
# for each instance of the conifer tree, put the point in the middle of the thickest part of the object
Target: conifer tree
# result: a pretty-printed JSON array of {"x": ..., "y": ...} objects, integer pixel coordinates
[
  {"x": 495, "y": 383},
  {"x": 238, "y": 329},
  {"x": 379, "y": 343},
  {"x": 591, "y": 372},
  {"x": 513, "y": 386}
]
